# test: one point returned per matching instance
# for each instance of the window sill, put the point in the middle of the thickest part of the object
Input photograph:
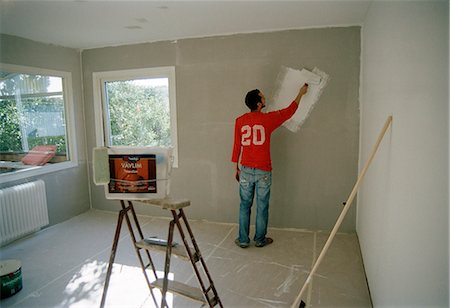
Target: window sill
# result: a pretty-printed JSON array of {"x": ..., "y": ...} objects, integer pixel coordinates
[{"x": 26, "y": 172}]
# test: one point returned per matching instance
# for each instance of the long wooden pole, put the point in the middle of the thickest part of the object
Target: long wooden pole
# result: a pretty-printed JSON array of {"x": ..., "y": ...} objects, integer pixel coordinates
[{"x": 344, "y": 212}]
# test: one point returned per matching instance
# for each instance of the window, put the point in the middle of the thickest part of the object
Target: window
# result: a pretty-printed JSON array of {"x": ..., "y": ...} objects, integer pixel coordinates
[
  {"x": 136, "y": 108},
  {"x": 35, "y": 120}
]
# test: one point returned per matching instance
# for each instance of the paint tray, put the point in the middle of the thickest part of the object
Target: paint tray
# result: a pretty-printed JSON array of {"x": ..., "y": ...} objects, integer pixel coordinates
[{"x": 158, "y": 241}]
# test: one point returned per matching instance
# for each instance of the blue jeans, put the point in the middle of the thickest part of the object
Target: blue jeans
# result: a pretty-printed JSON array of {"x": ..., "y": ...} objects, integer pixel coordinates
[{"x": 254, "y": 181}]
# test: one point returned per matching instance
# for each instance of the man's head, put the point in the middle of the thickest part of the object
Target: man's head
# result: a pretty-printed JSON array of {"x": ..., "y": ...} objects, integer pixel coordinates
[{"x": 255, "y": 99}]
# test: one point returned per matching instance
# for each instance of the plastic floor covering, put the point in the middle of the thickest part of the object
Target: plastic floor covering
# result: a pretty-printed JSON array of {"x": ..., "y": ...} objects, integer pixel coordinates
[{"x": 65, "y": 266}]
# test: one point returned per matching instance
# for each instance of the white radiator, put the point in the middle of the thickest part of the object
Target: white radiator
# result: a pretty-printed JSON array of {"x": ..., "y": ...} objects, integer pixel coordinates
[{"x": 23, "y": 210}]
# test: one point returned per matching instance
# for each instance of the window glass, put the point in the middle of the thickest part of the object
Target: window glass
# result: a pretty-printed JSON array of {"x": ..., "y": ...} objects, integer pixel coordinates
[
  {"x": 138, "y": 112},
  {"x": 136, "y": 108},
  {"x": 32, "y": 114}
]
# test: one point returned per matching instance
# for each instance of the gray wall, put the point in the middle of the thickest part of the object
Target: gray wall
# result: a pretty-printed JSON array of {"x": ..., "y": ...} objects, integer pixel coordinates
[
  {"x": 403, "y": 204},
  {"x": 67, "y": 190},
  {"x": 314, "y": 169}
]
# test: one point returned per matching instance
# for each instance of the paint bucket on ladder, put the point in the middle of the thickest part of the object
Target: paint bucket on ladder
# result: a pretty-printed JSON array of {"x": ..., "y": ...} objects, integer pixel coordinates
[{"x": 10, "y": 277}]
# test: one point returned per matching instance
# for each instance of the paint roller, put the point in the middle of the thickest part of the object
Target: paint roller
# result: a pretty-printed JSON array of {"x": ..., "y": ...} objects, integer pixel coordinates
[
  {"x": 348, "y": 203},
  {"x": 311, "y": 78},
  {"x": 100, "y": 162}
]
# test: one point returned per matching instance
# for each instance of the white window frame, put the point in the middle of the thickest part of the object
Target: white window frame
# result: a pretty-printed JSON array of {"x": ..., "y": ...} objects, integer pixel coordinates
[
  {"x": 70, "y": 125},
  {"x": 99, "y": 79}
]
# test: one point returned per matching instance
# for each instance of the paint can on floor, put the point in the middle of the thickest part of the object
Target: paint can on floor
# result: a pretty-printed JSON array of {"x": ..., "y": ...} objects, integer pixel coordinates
[{"x": 10, "y": 277}]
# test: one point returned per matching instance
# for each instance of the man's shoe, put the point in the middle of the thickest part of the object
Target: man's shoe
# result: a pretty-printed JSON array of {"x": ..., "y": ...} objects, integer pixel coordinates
[
  {"x": 242, "y": 245},
  {"x": 266, "y": 242}
]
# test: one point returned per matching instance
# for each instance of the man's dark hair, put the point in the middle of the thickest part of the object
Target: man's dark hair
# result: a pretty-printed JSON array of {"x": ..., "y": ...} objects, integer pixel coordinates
[{"x": 252, "y": 99}]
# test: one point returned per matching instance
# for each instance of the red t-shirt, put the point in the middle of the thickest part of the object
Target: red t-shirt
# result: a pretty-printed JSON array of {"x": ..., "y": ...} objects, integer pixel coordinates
[{"x": 252, "y": 133}]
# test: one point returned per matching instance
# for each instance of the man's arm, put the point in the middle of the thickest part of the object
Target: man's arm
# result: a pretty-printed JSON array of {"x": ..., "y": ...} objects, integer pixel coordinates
[
  {"x": 289, "y": 111},
  {"x": 236, "y": 148},
  {"x": 301, "y": 92}
]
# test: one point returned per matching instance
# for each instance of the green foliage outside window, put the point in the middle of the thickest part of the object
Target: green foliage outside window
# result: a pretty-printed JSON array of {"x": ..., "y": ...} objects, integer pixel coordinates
[
  {"x": 10, "y": 117},
  {"x": 139, "y": 115},
  {"x": 10, "y": 135},
  {"x": 32, "y": 113}
]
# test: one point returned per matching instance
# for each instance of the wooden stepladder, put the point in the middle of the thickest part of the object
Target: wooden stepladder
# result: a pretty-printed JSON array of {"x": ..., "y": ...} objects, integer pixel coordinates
[
  {"x": 189, "y": 251},
  {"x": 124, "y": 214}
]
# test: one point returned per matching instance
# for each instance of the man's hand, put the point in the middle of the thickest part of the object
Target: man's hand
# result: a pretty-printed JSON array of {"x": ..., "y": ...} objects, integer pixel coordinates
[
  {"x": 301, "y": 92},
  {"x": 304, "y": 89},
  {"x": 238, "y": 173}
]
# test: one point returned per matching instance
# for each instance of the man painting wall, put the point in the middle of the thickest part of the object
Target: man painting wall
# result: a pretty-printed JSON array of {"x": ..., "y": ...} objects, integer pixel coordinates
[{"x": 252, "y": 133}]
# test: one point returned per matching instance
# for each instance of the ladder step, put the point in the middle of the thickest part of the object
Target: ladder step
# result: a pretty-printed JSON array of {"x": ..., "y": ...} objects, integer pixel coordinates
[
  {"x": 149, "y": 265},
  {"x": 178, "y": 250},
  {"x": 182, "y": 289}
]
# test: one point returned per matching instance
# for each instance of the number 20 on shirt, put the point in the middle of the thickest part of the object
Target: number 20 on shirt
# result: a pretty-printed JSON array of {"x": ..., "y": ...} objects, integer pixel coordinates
[{"x": 255, "y": 135}]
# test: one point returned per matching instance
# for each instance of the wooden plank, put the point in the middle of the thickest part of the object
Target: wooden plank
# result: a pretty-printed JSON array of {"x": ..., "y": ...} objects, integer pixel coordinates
[
  {"x": 298, "y": 300},
  {"x": 182, "y": 289},
  {"x": 168, "y": 204},
  {"x": 178, "y": 250}
]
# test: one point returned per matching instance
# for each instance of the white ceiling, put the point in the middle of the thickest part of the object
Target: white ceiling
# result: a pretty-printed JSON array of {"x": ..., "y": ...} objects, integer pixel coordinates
[{"x": 85, "y": 24}]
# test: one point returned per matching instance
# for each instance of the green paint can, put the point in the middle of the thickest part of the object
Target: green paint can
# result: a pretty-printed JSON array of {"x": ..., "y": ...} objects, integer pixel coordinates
[{"x": 10, "y": 277}]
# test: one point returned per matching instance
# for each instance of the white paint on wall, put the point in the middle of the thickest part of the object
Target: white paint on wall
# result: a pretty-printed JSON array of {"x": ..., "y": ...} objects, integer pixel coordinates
[
  {"x": 403, "y": 204},
  {"x": 288, "y": 84}
]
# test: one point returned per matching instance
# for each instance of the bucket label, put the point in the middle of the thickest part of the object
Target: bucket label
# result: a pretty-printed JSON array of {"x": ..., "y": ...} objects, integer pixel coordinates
[
  {"x": 132, "y": 173},
  {"x": 11, "y": 284}
]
